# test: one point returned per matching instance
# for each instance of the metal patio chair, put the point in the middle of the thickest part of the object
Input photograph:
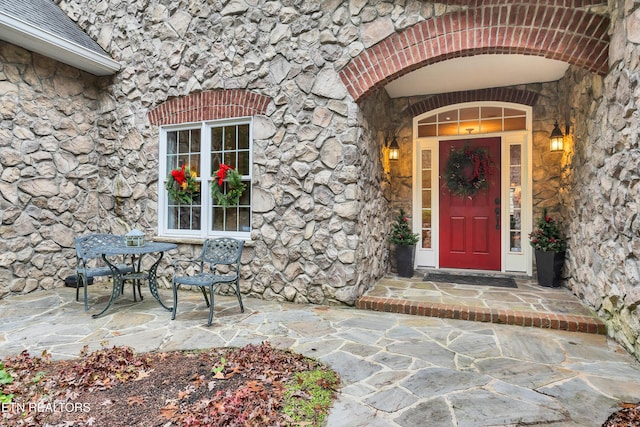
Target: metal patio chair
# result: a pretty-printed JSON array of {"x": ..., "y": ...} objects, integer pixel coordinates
[
  {"x": 89, "y": 263},
  {"x": 208, "y": 276}
]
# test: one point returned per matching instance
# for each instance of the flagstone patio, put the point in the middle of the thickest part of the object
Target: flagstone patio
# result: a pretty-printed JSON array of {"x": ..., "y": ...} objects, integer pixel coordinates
[{"x": 396, "y": 369}]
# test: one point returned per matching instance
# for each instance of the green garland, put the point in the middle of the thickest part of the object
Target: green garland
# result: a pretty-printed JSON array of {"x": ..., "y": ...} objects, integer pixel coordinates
[
  {"x": 467, "y": 171},
  {"x": 235, "y": 186},
  {"x": 182, "y": 186}
]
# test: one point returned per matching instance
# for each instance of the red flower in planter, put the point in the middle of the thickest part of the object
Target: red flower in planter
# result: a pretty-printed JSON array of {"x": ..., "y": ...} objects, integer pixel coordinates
[{"x": 547, "y": 235}]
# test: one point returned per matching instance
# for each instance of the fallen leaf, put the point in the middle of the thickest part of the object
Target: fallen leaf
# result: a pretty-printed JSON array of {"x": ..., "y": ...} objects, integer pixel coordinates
[
  {"x": 627, "y": 405},
  {"x": 143, "y": 374},
  {"x": 301, "y": 394},
  {"x": 197, "y": 380},
  {"x": 135, "y": 400},
  {"x": 168, "y": 411},
  {"x": 254, "y": 385}
]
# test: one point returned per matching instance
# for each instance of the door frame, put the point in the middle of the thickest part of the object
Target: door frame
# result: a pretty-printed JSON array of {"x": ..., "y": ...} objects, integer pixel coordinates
[
  {"x": 516, "y": 262},
  {"x": 473, "y": 220}
]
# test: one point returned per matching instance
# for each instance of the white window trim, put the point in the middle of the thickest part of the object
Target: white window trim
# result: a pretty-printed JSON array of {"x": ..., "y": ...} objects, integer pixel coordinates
[{"x": 205, "y": 177}]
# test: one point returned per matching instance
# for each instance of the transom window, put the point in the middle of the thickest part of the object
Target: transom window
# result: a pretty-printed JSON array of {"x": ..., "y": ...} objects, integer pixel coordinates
[
  {"x": 201, "y": 148},
  {"x": 472, "y": 120}
]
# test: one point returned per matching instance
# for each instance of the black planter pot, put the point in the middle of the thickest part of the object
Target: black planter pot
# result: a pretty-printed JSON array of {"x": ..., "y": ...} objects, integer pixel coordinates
[
  {"x": 404, "y": 260},
  {"x": 72, "y": 281},
  {"x": 549, "y": 268}
]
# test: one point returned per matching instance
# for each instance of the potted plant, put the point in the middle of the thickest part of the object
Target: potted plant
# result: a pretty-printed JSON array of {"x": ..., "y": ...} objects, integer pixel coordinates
[
  {"x": 405, "y": 240},
  {"x": 550, "y": 246}
]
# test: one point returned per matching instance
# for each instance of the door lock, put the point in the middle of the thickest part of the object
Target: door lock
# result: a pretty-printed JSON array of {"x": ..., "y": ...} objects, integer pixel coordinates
[{"x": 497, "y": 218}]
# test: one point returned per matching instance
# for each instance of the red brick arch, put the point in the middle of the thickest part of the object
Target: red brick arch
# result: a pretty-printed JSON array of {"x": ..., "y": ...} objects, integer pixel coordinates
[
  {"x": 564, "y": 30},
  {"x": 209, "y": 105},
  {"x": 501, "y": 94}
]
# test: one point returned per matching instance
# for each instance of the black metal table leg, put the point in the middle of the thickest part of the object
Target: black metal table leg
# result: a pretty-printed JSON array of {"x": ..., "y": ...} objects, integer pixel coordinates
[
  {"x": 153, "y": 282},
  {"x": 117, "y": 287}
]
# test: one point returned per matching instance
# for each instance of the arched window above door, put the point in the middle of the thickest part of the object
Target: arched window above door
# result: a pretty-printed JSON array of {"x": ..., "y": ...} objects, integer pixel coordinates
[{"x": 472, "y": 121}]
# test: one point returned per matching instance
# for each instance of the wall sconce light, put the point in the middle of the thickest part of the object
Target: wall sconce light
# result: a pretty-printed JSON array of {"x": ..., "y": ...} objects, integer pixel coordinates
[
  {"x": 394, "y": 149},
  {"x": 556, "y": 142}
]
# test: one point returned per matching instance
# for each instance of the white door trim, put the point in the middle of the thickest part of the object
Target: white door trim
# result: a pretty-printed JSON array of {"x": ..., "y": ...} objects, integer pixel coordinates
[{"x": 511, "y": 261}]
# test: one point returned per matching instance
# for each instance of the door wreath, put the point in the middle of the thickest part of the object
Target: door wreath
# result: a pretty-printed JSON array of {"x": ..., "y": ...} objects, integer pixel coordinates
[
  {"x": 467, "y": 171},
  {"x": 235, "y": 186}
]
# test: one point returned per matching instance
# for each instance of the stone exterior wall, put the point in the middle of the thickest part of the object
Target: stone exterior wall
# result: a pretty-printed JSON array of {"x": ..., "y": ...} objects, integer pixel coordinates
[
  {"x": 319, "y": 236},
  {"x": 601, "y": 186},
  {"x": 50, "y": 167}
]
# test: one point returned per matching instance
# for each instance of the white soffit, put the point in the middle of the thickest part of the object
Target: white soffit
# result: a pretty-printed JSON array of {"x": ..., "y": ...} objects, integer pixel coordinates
[
  {"x": 38, "y": 40},
  {"x": 477, "y": 72}
]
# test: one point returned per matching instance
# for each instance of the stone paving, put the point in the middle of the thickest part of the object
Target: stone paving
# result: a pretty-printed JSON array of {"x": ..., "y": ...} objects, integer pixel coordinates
[{"x": 396, "y": 369}]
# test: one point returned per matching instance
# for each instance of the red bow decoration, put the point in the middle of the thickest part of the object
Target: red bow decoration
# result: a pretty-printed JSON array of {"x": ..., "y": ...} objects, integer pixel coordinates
[
  {"x": 222, "y": 173},
  {"x": 178, "y": 175}
]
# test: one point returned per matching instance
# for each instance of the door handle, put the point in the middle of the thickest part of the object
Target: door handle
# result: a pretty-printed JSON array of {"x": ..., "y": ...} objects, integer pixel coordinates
[{"x": 497, "y": 218}]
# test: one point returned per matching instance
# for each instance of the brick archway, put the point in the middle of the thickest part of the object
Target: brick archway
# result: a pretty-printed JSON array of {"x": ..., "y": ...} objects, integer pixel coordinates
[
  {"x": 559, "y": 31},
  {"x": 209, "y": 105},
  {"x": 501, "y": 94}
]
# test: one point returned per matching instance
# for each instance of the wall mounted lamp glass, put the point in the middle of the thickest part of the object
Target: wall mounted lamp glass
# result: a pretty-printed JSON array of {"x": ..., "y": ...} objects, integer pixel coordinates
[
  {"x": 394, "y": 149},
  {"x": 556, "y": 142}
]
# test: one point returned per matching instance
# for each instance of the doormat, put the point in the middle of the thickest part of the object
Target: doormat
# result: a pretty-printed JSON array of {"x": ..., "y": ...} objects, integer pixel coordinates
[{"x": 502, "y": 282}]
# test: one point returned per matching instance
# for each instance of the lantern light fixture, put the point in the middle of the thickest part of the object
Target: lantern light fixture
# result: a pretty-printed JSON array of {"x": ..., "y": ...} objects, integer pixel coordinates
[
  {"x": 134, "y": 238},
  {"x": 394, "y": 149},
  {"x": 556, "y": 142}
]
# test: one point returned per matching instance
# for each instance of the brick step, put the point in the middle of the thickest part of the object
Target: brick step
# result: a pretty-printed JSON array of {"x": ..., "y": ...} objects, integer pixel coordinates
[{"x": 563, "y": 322}]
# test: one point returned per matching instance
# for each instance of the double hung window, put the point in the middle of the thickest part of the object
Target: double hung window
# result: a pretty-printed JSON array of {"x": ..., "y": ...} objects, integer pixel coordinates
[{"x": 196, "y": 152}]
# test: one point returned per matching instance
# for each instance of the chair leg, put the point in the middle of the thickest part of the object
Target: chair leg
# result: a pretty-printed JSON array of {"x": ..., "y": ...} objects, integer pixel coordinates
[
  {"x": 206, "y": 298},
  {"x": 175, "y": 299},
  {"x": 84, "y": 285},
  {"x": 211, "y": 305},
  {"x": 133, "y": 284},
  {"x": 239, "y": 295}
]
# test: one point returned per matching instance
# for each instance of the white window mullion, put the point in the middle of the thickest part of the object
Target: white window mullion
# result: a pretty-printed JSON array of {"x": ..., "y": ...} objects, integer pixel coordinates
[{"x": 206, "y": 180}]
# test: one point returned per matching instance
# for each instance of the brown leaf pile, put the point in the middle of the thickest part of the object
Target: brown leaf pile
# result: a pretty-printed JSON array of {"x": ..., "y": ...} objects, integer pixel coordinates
[
  {"x": 116, "y": 387},
  {"x": 628, "y": 416}
]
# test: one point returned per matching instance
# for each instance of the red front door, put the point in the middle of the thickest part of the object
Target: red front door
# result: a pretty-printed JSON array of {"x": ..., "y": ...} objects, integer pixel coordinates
[{"x": 470, "y": 226}]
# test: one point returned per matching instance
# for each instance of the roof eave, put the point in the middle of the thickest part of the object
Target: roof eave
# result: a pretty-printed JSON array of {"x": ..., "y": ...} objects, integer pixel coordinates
[{"x": 52, "y": 46}]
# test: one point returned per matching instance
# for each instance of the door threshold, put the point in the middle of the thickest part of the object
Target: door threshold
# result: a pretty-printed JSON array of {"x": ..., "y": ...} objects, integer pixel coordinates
[{"x": 472, "y": 272}]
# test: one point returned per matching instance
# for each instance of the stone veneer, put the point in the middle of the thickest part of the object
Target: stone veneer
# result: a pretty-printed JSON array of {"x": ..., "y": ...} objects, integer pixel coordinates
[
  {"x": 51, "y": 166},
  {"x": 80, "y": 155},
  {"x": 600, "y": 191},
  {"x": 320, "y": 219}
]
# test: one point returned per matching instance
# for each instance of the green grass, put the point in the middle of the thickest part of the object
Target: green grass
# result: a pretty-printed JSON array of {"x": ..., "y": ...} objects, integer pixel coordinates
[
  {"x": 5, "y": 378},
  {"x": 309, "y": 396}
]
